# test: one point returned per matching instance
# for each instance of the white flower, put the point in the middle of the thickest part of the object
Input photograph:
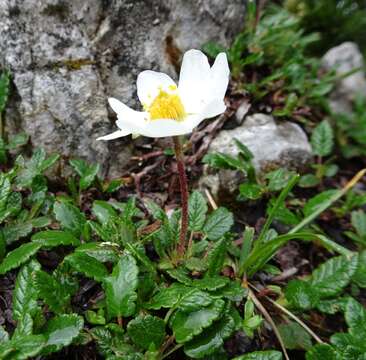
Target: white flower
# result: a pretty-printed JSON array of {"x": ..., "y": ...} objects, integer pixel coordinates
[{"x": 171, "y": 110}]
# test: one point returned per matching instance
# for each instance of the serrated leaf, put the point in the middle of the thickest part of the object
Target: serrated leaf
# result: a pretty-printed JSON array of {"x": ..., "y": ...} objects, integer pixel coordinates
[
  {"x": 333, "y": 306},
  {"x": 333, "y": 275},
  {"x": 25, "y": 294},
  {"x": 18, "y": 256},
  {"x": 216, "y": 257},
  {"x": 147, "y": 330},
  {"x": 355, "y": 315},
  {"x": 22, "y": 347},
  {"x": 70, "y": 217},
  {"x": 51, "y": 292},
  {"x": 211, "y": 339},
  {"x": 99, "y": 251},
  {"x": 120, "y": 287},
  {"x": 278, "y": 179},
  {"x": 322, "y": 352},
  {"x": 87, "y": 265},
  {"x": 301, "y": 295},
  {"x": 294, "y": 336},
  {"x": 358, "y": 220},
  {"x": 218, "y": 223},
  {"x": 61, "y": 331},
  {"x": 211, "y": 283},
  {"x": 317, "y": 201},
  {"x": 186, "y": 325},
  {"x": 322, "y": 139},
  {"x": 251, "y": 191},
  {"x": 359, "y": 277},
  {"x": 51, "y": 238},
  {"x": 14, "y": 232},
  {"x": 89, "y": 176},
  {"x": 4, "y": 89},
  {"x": 179, "y": 296},
  {"x": 197, "y": 209},
  {"x": 4, "y": 336},
  {"x": 261, "y": 355},
  {"x": 103, "y": 211},
  {"x": 5, "y": 189}
]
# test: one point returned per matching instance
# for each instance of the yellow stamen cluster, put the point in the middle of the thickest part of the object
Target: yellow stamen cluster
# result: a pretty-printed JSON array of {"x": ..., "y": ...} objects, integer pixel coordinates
[{"x": 167, "y": 106}]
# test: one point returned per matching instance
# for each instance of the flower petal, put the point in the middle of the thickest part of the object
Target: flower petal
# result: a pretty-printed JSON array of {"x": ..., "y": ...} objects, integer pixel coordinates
[
  {"x": 194, "y": 80},
  {"x": 219, "y": 77},
  {"x": 114, "y": 135},
  {"x": 149, "y": 83},
  {"x": 166, "y": 127},
  {"x": 128, "y": 119},
  {"x": 213, "y": 108}
]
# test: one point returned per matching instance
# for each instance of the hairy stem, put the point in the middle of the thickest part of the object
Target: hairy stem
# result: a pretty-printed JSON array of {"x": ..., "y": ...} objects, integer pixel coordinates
[{"x": 184, "y": 195}]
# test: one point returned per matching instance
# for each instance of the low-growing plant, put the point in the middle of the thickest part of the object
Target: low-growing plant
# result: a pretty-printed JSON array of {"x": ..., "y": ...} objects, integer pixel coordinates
[{"x": 269, "y": 58}]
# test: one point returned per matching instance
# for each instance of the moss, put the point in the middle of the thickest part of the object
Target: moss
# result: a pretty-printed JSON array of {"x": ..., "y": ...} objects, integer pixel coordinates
[
  {"x": 60, "y": 10},
  {"x": 76, "y": 64}
]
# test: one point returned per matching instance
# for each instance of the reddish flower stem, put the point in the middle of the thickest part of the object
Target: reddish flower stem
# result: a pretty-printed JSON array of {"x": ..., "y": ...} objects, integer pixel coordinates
[{"x": 184, "y": 196}]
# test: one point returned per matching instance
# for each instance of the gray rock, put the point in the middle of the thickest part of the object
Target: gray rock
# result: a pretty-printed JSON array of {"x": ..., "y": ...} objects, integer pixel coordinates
[
  {"x": 272, "y": 143},
  {"x": 345, "y": 58},
  {"x": 68, "y": 56}
]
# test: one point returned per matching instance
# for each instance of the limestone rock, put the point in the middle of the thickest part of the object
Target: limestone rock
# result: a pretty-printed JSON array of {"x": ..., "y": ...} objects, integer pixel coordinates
[
  {"x": 272, "y": 143},
  {"x": 345, "y": 58},
  {"x": 68, "y": 56}
]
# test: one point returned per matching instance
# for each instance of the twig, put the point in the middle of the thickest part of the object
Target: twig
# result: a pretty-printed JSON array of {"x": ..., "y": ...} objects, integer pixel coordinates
[
  {"x": 293, "y": 316},
  {"x": 211, "y": 200},
  {"x": 267, "y": 316}
]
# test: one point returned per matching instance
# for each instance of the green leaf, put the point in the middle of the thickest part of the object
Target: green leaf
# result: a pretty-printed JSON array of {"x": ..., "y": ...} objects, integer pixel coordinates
[
  {"x": 53, "y": 293},
  {"x": 355, "y": 315},
  {"x": 251, "y": 191},
  {"x": 211, "y": 339},
  {"x": 216, "y": 257},
  {"x": 99, "y": 251},
  {"x": 147, "y": 330},
  {"x": 4, "y": 89},
  {"x": 278, "y": 179},
  {"x": 317, "y": 201},
  {"x": 322, "y": 139},
  {"x": 17, "y": 141},
  {"x": 120, "y": 287},
  {"x": 322, "y": 352},
  {"x": 14, "y": 232},
  {"x": 359, "y": 277},
  {"x": 332, "y": 276},
  {"x": 294, "y": 336},
  {"x": 61, "y": 331},
  {"x": 301, "y": 295},
  {"x": 333, "y": 306},
  {"x": 86, "y": 172},
  {"x": 261, "y": 355},
  {"x": 70, "y": 217},
  {"x": 186, "y": 325},
  {"x": 308, "y": 180},
  {"x": 197, "y": 209},
  {"x": 5, "y": 190},
  {"x": 103, "y": 211},
  {"x": 179, "y": 296},
  {"x": 18, "y": 257},
  {"x": 51, "y": 238},
  {"x": 22, "y": 347},
  {"x": 4, "y": 336},
  {"x": 211, "y": 283},
  {"x": 358, "y": 220},
  {"x": 87, "y": 265},
  {"x": 25, "y": 294},
  {"x": 218, "y": 223}
]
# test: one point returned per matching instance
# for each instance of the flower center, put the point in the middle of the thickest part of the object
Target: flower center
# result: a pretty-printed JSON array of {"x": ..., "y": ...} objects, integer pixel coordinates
[{"x": 167, "y": 106}]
